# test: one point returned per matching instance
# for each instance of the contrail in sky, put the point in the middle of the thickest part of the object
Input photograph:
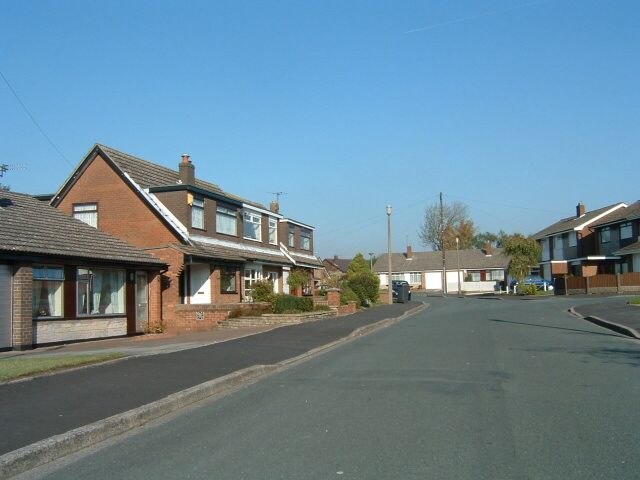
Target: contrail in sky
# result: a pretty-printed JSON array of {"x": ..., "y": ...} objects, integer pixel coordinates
[{"x": 472, "y": 17}]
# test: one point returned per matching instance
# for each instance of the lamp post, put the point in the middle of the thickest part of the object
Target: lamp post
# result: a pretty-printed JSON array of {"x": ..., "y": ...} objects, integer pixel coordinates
[
  {"x": 371, "y": 260},
  {"x": 458, "y": 255},
  {"x": 390, "y": 297}
]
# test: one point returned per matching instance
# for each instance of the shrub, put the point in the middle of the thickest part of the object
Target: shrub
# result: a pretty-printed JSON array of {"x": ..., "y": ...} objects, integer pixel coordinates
[
  {"x": 348, "y": 295},
  {"x": 365, "y": 285},
  {"x": 292, "y": 304},
  {"x": 528, "y": 289},
  {"x": 262, "y": 291},
  {"x": 321, "y": 308},
  {"x": 298, "y": 278}
]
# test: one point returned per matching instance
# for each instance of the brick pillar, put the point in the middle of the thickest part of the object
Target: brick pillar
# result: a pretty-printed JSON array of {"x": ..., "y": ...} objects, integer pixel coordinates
[
  {"x": 333, "y": 297},
  {"x": 22, "y": 325},
  {"x": 155, "y": 302}
]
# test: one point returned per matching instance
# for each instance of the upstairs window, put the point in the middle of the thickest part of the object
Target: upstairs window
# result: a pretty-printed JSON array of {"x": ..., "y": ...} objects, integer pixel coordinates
[
  {"x": 305, "y": 239},
  {"x": 252, "y": 226},
  {"x": 273, "y": 231},
  {"x": 626, "y": 231},
  {"x": 292, "y": 236},
  {"x": 605, "y": 235},
  {"x": 573, "y": 239},
  {"x": 226, "y": 221},
  {"x": 87, "y": 213},
  {"x": 197, "y": 213},
  {"x": 47, "y": 291}
]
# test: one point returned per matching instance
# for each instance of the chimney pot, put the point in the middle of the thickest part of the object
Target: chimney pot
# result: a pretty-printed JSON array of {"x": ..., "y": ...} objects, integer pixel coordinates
[
  {"x": 580, "y": 209},
  {"x": 185, "y": 158},
  {"x": 187, "y": 171}
]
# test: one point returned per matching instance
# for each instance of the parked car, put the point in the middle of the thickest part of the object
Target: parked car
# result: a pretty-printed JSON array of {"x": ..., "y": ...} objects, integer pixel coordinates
[
  {"x": 394, "y": 287},
  {"x": 536, "y": 280}
]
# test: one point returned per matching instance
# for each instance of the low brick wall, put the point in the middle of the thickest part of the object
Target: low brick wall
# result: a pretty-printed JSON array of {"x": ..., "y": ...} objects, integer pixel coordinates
[
  {"x": 51, "y": 331},
  {"x": 347, "y": 309},
  {"x": 204, "y": 317}
]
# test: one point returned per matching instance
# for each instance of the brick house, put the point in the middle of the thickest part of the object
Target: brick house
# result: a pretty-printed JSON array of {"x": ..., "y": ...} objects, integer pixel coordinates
[
  {"x": 215, "y": 243},
  {"x": 336, "y": 265},
  {"x": 61, "y": 280},
  {"x": 476, "y": 270},
  {"x": 571, "y": 246},
  {"x": 618, "y": 235}
]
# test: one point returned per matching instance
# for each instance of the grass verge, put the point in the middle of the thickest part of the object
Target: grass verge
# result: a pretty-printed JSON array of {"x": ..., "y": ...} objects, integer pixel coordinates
[
  {"x": 12, "y": 368},
  {"x": 635, "y": 301}
]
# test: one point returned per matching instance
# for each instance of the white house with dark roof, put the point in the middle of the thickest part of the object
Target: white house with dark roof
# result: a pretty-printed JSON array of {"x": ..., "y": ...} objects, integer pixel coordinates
[
  {"x": 473, "y": 270},
  {"x": 62, "y": 280}
]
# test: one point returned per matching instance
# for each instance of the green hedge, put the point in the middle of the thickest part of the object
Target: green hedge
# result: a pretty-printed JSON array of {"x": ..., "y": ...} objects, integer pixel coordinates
[{"x": 292, "y": 304}]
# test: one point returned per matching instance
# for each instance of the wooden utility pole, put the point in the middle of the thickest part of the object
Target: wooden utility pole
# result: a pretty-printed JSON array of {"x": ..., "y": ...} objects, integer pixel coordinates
[{"x": 444, "y": 266}]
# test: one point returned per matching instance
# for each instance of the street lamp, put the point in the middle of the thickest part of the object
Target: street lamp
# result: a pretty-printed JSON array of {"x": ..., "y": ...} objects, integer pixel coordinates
[
  {"x": 390, "y": 297},
  {"x": 458, "y": 255},
  {"x": 371, "y": 260}
]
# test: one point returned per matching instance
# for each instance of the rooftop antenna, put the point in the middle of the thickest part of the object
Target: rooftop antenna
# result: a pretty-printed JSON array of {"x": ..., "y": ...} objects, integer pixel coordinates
[
  {"x": 278, "y": 194},
  {"x": 5, "y": 167}
]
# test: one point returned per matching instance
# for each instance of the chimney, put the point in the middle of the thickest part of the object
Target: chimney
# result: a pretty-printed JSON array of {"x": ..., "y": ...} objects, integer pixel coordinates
[
  {"x": 488, "y": 249},
  {"x": 187, "y": 171},
  {"x": 580, "y": 210},
  {"x": 409, "y": 252},
  {"x": 335, "y": 258},
  {"x": 274, "y": 207}
]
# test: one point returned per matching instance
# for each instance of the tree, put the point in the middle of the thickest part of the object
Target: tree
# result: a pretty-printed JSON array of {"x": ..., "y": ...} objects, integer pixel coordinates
[
  {"x": 496, "y": 240},
  {"x": 298, "y": 278},
  {"x": 358, "y": 264},
  {"x": 524, "y": 253},
  {"x": 456, "y": 223}
]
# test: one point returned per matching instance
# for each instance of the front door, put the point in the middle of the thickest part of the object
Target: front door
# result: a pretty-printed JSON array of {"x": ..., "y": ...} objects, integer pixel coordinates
[
  {"x": 5, "y": 306},
  {"x": 200, "y": 283},
  {"x": 142, "y": 301}
]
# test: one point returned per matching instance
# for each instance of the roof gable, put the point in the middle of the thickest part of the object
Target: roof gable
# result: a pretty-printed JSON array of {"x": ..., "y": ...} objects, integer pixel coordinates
[{"x": 577, "y": 223}]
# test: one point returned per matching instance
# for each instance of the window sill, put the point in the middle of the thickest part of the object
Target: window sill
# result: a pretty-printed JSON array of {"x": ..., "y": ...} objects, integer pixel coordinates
[
  {"x": 253, "y": 239},
  {"x": 234, "y": 235}
]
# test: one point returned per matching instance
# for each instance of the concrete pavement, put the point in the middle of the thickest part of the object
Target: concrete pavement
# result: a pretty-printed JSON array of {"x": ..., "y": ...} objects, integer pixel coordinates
[
  {"x": 50, "y": 405},
  {"x": 613, "y": 313}
]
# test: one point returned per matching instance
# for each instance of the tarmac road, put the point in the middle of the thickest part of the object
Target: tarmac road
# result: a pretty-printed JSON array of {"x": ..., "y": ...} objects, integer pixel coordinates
[{"x": 469, "y": 389}]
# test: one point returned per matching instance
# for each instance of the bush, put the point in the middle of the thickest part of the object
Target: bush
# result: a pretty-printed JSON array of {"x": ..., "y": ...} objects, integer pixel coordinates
[
  {"x": 322, "y": 308},
  {"x": 528, "y": 289},
  {"x": 298, "y": 278},
  {"x": 365, "y": 285},
  {"x": 292, "y": 304},
  {"x": 262, "y": 291},
  {"x": 348, "y": 295}
]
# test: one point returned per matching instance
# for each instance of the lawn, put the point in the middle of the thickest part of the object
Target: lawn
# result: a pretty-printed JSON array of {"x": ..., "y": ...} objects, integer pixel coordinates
[
  {"x": 25, "y": 366},
  {"x": 635, "y": 301}
]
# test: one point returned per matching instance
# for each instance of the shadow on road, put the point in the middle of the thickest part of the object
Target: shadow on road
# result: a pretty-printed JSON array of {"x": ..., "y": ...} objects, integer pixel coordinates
[{"x": 557, "y": 328}]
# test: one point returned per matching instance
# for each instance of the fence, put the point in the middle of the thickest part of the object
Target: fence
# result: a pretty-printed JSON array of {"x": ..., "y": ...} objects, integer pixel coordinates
[{"x": 604, "y": 283}]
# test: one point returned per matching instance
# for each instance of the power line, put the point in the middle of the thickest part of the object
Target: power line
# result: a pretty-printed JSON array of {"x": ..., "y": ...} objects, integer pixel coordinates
[{"x": 35, "y": 122}]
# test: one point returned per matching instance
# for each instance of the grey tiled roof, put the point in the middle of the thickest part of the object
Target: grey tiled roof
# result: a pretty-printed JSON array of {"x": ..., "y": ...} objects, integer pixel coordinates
[
  {"x": 568, "y": 224},
  {"x": 629, "y": 249},
  {"x": 204, "y": 250},
  {"x": 148, "y": 174},
  {"x": 473, "y": 259},
  {"x": 30, "y": 226},
  {"x": 341, "y": 264},
  {"x": 621, "y": 215},
  {"x": 316, "y": 262}
]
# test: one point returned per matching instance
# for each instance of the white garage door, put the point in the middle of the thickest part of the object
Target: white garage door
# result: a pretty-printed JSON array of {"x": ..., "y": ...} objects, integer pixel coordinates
[
  {"x": 5, "y": 306},
  {"x": 434, "y": 281}
]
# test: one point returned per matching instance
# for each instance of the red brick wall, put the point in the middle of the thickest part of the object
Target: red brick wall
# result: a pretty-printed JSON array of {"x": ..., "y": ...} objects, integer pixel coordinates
[
  {"x": 198, "y": 318},
  {"x": 121, "y": 211},
  {"x": 347, "y": 309},
  {"x": 170, "y": 281},
  {"x": 22, "y": 325},
  {"x": 223, "y": 298}
]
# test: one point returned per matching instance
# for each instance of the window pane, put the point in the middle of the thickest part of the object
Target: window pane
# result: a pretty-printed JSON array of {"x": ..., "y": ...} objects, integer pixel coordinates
[
  {"x": 228, "y": 281},
  {"x": 197, "y": 213},
  {"x": 252, "y": 224},
  {"x": 605, "y": 235},
  {"x": 292, "y": 237},
  {"x": 100, "y": 292},
  {"x": 625, "y": 231},
  {"x": 226, "y": 221},
  {"x": 47, "y": 298}
]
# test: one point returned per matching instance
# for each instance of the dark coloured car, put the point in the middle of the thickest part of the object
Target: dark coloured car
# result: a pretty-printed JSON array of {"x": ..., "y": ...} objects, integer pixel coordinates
[{"x": 394, "y": 288}]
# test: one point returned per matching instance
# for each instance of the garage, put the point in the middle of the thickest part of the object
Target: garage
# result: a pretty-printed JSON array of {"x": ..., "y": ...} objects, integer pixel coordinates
[{"x": 5, "y": 306}]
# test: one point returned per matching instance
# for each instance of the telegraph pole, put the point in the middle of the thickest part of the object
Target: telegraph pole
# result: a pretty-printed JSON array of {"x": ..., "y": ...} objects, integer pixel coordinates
[
  {"x": 389, "y": 273},
  {"x": 444, "y": 266}
]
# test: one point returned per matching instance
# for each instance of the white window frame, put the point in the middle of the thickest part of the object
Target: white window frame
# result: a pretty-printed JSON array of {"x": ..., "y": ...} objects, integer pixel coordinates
[
  {"x": 415, "y": 277},
  {"x": 273, "y": 231},
  {"x": 252, "y": 218},
  {"x": 87, "y": 213},
  {"x": 292, "y": 236},
  {"x": 225, "y": 213},
  {"x": 197, "y": 213},
  {"x": 48, "y": 278}
]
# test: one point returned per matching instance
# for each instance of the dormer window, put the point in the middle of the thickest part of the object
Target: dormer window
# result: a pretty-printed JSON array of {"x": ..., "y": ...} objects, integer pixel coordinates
[
  {"x": 305, "y": 239},
  {"x": 626, "y": 231},
  {"x": 252, "y": 225},
  {"x": 197, "y": 213},
  {"x": 226, "y": 221},
  {"x": 87, "y": 213},
  {"x": 292, "y": 236},
  {"x": 273, "y": 231},
  {"x": 605, "y": 235}
]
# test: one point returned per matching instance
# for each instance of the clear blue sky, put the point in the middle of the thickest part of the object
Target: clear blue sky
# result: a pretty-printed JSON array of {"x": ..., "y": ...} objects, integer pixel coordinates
[{"x": 518, "y": 108}]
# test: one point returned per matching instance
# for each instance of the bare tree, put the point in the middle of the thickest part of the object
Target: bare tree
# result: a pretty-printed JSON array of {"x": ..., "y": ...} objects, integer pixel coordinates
[{"x": 456, "y": 223}]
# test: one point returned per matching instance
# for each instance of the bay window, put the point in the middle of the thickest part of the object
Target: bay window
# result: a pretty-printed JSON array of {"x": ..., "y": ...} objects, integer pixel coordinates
[
  {"x": 47, "y": 291},
  {"x": 100, "y": 291}
]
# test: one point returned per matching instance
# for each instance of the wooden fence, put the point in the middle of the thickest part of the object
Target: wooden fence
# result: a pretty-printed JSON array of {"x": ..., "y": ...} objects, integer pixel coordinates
[{"x": 605, "y": 283}]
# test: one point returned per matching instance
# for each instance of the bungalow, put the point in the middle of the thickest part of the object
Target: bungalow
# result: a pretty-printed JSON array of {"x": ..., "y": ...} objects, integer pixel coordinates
[
  {"x": 62, "y": 280},
  {"x": 471, "y": 270}
]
